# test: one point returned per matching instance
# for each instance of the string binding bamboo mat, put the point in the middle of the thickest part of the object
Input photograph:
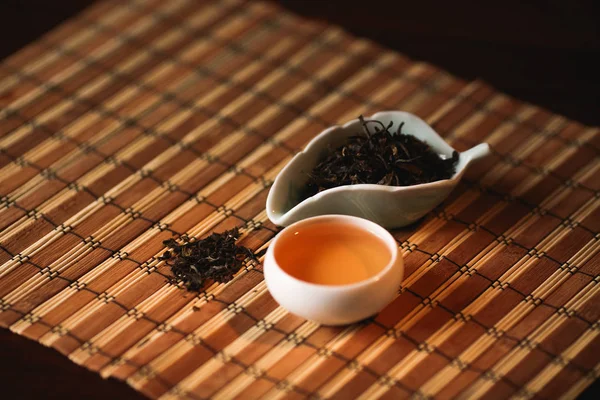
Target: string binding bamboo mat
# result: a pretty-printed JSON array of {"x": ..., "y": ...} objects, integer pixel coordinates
[{"x": 136, "y": 122}]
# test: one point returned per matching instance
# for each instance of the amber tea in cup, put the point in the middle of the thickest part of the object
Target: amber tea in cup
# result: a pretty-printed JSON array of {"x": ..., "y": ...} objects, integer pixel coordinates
[{"x": 333, "y": 253}]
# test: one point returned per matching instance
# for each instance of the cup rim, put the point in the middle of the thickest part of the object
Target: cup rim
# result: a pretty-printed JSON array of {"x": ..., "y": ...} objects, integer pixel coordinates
[{"x": 362, "y": 223}]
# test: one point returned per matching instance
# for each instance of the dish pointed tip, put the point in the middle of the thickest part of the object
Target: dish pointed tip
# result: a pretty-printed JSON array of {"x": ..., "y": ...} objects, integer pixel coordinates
[{"x": 477, "y": 152}]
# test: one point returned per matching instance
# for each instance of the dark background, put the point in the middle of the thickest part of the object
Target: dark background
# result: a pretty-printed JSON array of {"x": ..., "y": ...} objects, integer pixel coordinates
[{"x": 544, "y": 52}]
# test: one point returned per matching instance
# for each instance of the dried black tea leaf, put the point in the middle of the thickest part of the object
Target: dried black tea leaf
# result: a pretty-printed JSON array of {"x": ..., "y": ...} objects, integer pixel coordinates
[
  {"x": 381, "y": 157},
  {"x": 217, "y": 257}
]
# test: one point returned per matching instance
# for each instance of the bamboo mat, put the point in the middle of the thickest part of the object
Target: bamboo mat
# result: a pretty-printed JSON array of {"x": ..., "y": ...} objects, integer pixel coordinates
[{"x": 135, "y": 122}]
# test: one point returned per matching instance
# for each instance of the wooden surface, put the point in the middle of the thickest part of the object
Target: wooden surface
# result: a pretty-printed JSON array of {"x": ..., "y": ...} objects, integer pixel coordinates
[
  {"x": 56, "y": 377},
  {"x": 566, "y": 84}
]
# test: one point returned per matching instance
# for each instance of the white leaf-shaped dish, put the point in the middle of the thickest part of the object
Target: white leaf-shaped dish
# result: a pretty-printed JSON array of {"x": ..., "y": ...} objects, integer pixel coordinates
[{"x": 388, "y": 206}]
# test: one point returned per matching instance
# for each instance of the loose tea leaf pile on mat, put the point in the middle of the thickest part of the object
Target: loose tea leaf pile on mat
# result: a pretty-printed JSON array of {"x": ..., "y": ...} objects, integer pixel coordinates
[
  {"x": 216, "y": 257},
  {"x": 380, "y": 157}
]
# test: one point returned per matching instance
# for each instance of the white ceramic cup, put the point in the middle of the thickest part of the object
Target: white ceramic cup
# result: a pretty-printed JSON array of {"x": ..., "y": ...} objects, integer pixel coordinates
[{"x": 335, "y": 304}]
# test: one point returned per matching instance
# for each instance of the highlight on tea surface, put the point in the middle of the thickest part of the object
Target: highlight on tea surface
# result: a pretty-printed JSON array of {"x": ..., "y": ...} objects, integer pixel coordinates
[
  {"x": 216, "y": 257},
  {"x": 332, "y": 254},
  {"x": 380, "y": 156}
]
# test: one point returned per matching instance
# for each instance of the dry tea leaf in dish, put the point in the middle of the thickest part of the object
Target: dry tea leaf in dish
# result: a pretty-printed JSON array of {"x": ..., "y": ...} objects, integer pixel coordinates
[{"x": 380, "y": 157}]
